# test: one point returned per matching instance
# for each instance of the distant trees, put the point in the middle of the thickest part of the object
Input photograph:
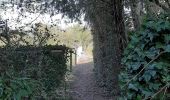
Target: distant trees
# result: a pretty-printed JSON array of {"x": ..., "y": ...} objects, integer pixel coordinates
[{"x": 73, "y": 37}]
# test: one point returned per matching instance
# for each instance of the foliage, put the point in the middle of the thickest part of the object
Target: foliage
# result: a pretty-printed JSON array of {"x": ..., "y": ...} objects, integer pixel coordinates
[
  {"x": 16, "y": 88},
  {"x": 72, "y": 37},
  {"x": 46, "y": 65},
  {"x": 146, "y": 71},
  {"x": 29, "y": 58}
]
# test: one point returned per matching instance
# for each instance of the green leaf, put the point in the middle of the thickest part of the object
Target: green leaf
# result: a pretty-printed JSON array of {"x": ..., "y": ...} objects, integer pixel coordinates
[
  {"x": 159, "y": 45},
  {"x": 151, "y": 36},
  {"x": 146, "y": 76},
  {"x": 21, "y": 93},
  {"x": 136, "y": 66},
  {"x": 154, "y": 86},
  {"x": 139, "y": 97},
  {"x": 167, "y": 38},
  {"x": 151, "y": 24},
  {"x": 1, "y": 91},
  {"x": 162, "y": 25},
  {"x": 166, "y": 78},
  {"x": 133, "y": 87},
  {"x": 130, "y": 95},
  {"x": 152, "y": 73},
  {"x": 167, "y": 48},
  {"x": 159, "y": 65},
  {"x": 147, "y": 93}
]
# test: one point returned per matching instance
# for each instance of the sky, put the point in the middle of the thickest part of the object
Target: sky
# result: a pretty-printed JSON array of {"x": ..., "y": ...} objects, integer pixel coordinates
[{"x": 15, "y": 19}]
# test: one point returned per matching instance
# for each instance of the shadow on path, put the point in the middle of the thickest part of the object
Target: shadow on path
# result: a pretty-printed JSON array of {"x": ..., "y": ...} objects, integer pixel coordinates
[{"x": 83, "y": 86}]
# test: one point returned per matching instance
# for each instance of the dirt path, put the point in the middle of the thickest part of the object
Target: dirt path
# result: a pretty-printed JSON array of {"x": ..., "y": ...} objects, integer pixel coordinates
[{"x": 83, "y": 86}]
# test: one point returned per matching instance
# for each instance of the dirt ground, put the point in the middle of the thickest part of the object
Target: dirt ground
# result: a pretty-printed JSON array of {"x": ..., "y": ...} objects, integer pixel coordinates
[{"x": 83, "y": 86}]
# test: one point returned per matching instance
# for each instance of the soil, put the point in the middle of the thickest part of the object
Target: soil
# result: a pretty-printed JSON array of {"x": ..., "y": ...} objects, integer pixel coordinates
[{"x": 83, "y": 86}]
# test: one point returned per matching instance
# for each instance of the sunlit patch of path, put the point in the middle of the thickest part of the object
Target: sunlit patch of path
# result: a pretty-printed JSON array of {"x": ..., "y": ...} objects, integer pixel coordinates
[{"x": 83, "y": 86}]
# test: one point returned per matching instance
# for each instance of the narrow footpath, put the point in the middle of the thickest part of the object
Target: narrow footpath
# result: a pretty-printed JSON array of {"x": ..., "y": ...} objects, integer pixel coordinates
[{"x": 83, "y": 86}]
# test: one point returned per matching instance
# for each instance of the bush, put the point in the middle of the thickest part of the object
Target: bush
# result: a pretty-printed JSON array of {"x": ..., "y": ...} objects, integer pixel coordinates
[
  {"x": 46, "y": 65},
  {"x": 12, "y": 88},
  {"x": 146, "y": 71}
]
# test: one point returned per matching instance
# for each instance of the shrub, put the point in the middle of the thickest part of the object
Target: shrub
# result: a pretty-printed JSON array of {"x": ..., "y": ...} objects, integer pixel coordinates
[
  {"x": 146, "y": 62},
  {"x": 46, "y": 65},
  {"x": 12, "y": 88}
]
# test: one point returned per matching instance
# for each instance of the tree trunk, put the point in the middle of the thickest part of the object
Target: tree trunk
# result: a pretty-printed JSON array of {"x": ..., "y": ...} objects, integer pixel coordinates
[{"x": 109, "y": 38}]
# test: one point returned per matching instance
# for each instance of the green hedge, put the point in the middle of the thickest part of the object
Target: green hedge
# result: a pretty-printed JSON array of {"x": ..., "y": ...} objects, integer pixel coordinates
[
  {"x": 45, "y": 65},
  {"x": 146, "y": 63}
]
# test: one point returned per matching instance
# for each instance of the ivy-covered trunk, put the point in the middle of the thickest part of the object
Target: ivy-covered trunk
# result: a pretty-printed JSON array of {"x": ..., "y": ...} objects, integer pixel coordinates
[{"x": 109, "y": 37}]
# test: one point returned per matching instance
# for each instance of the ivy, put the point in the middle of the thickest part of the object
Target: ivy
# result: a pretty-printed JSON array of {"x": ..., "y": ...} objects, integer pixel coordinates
[{"x": 146, "y": 67}]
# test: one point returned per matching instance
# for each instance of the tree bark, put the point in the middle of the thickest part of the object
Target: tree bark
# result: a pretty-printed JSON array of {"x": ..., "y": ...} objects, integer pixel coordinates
[{"x": 109, "y": 41}]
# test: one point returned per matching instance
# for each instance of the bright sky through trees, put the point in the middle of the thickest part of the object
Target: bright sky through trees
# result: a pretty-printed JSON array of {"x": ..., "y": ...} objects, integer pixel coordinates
[{"x": 17, "y": 19}]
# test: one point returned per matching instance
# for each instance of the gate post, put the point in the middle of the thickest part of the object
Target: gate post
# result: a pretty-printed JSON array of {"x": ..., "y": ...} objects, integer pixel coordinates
[
  {"x": 71, "y": 60},
  {"x": 75, "y": 57}
]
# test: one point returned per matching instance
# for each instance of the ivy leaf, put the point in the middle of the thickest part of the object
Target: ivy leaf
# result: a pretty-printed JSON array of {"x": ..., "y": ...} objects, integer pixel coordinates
[
  {"x": 1, "y": 91},
  {"x": 130, "y": 95},
  {"x": 162, "y": 25},
  {"x": 150, "y": 55},
  {"x": 139, "y": 97},
  {"x": 159, "y": 65},
  {"x": 159, "y": 25},
  {"x": 136, "y": 66},
  {"x": 133, "y": 87},
  {"x": 166, "y": 79},
  {"x": 154, "y": 86},
  {"x": 20, "y": 94},
  {"x": 130, "y": 46},
  {"x": 167, "y": 38},
  {"x": 152, "y": 73},
  {"x": 167, "y": 48},
  {"x": 147, "y": 76},
  {"x": 151, "y": 24},
  {"x": 151, "y": 36},
  {"x": 159, "y": 45},
  {"x": 166, "y": 25},
  {"x": 147, "y": 93}
]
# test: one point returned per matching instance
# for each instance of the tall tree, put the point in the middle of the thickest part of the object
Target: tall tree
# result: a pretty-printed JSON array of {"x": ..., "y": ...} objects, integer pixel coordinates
[
  {"x": 108, "y": 34},
  {"x": 106, "y": 20}
]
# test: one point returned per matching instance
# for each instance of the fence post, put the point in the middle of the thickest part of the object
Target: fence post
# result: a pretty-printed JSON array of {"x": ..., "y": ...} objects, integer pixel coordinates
[
  {"x": 75, "y": 57},
  {"x": 70, "y": 60}
]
